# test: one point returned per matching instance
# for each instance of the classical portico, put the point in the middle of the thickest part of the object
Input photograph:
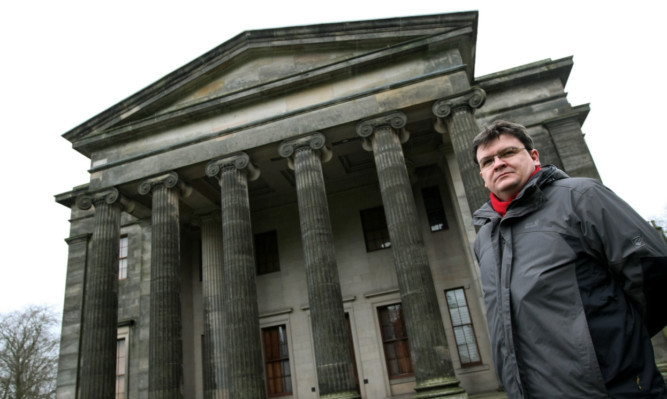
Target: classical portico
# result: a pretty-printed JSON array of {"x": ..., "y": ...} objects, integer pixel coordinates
[{"x": 292, "y": 210}]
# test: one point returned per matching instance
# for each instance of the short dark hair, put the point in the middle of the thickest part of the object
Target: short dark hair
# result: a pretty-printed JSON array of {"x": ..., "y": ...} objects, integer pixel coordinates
[{"x": 494, "y": 130}]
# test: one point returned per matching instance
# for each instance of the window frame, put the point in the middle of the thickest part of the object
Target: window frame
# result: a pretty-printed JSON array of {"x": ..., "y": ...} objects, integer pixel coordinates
[
  {"x": 123, "y": 334},
  {"x": 455, "y": 326},
  {"x": 404, "y": 340},
  {"x": 123, "y": 257},
  {"x": 277, "y": 360}
]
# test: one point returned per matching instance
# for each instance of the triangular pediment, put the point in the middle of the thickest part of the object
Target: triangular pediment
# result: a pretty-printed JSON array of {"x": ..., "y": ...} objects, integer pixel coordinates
[
  {"x": 266, "y": 65},
  {"x": 258, "y": 64}
]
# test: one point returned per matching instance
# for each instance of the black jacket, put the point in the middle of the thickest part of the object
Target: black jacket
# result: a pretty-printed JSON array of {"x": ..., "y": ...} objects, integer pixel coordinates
[{"x": 568, "y": 277}]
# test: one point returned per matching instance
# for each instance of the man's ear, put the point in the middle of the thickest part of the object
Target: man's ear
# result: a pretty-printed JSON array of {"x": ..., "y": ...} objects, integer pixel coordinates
[
  {"x": 480, "y": 175},
  {"x": 535, "y": 155}
]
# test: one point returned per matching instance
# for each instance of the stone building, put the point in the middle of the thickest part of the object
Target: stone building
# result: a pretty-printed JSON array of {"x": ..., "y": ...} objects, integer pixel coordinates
[{"x": 290, "y": 215}]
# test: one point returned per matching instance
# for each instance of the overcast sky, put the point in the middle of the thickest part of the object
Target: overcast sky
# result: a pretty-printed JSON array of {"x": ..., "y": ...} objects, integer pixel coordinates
[{"x": 65, "y": 61}]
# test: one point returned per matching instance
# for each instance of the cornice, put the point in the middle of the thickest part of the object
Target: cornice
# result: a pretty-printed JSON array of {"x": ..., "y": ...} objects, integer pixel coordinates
[
  {"x": 578, "y": 113},
  {"x": 482, "y": 112},
  {"x": 414, "y": 32},
  {"x": 559, "y": 68},
  {"x": 68, "y": 198},
  {"x": 83, "y": 237},
  {"x": 134, "y": 129}
]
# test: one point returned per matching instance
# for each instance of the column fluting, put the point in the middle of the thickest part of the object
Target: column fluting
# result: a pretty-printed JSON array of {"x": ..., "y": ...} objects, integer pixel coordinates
[
  {"x": 243, "y": 362},
  {"x": 335, "y": 371},
  {"x": 456, "y": 116},
  {"x": 212, "y": 292},
  {"x": 100, "y": 308},
  {"x": 165, "y": 361},
  {"x": 434, "y": 372}
]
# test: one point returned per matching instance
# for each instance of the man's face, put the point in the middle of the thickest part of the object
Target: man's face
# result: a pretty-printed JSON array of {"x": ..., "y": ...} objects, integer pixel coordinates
[{"x": 506, "y": 177}]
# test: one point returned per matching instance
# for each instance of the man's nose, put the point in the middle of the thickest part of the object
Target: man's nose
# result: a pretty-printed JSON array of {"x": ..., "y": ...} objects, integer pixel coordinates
[{"x": 498, "y": 162}]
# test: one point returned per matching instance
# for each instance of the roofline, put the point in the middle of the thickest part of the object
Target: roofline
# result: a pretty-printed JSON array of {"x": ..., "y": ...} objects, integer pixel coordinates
[
  {"x": 87, "y": 144},
  {"x": 560, "y": 68},
  {"x": 184, "y": 75}
]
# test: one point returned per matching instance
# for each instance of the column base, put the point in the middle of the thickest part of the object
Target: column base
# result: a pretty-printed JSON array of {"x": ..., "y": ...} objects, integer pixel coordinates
[
  {"x": 342, "y": 395},
  {"x": 440, "y": 388}
]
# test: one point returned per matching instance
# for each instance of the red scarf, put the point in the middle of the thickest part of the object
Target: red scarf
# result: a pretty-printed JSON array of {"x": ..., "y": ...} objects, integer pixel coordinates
[{"x": 501, "y": 206}]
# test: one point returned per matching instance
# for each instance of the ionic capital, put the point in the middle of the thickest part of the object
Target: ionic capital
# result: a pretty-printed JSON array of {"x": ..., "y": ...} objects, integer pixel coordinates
[
  {"x": 394, "y": 120},
  {"x": 473, "y": 98},
  {"x": 314, "y": 141},
  {"x": 109, "y": 196},
  {"x": 168, "y": 180},
  {"x": 240, "y": 161}
]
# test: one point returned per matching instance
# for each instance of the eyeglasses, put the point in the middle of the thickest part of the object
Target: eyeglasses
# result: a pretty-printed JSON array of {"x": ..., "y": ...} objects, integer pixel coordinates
[{"x": 487, "y": 162}]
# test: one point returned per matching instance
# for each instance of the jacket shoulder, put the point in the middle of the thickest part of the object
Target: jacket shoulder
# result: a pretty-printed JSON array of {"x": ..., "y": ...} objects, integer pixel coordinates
[
  {"x": 577, "y": 186},
  {"x": 578, "y": 183}
]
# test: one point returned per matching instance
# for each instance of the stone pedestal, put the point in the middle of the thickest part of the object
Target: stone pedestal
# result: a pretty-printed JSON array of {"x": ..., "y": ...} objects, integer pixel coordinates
[
  {"x": 335, "y": 373},
  {"x": 434, "y": 373}
]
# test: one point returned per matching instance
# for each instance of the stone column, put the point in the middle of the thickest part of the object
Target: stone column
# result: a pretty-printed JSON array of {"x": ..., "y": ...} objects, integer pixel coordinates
[
  {"x": 213, "y": 288},
  {"x": 335, "y": 371},
  {"x": 165, "y": 359},
  {"x": 69, "y": 356},
  {"x": 456, "y": 117},
  {"x": 243, "y": 362},
  {"x": 434, "y": 373},
  {"x": 100, "y": 308}
]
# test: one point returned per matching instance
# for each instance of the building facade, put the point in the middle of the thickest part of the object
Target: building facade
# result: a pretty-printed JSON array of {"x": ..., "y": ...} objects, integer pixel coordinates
[{"x": 290, "y": 215}]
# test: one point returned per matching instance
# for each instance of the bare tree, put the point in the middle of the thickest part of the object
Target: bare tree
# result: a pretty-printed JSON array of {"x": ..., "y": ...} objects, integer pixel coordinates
[{"x": 28, "y": 354}]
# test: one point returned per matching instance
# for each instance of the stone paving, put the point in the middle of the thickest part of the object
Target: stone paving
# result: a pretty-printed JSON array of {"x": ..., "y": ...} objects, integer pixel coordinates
[
  {"x": 489, "y": 395},
  {"x": 485, "y": 395}
]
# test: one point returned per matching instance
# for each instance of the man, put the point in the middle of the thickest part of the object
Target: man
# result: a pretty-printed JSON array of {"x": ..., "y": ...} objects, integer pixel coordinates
[{"x": 571, "y": 278}]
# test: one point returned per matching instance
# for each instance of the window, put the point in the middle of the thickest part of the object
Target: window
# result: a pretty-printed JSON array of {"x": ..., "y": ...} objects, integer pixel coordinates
[
  {"x": 266, "y": 252},
  {"x": 122, "y": 258},
  {"x": 434, "y": 210},
  {"x": 376, "y": 233},
  {"x": 463, "y": 330},
  {"x": 395, "y": 341},
  {"x": 121, "y": 363},
  {"x": 276, "y": 358}
]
